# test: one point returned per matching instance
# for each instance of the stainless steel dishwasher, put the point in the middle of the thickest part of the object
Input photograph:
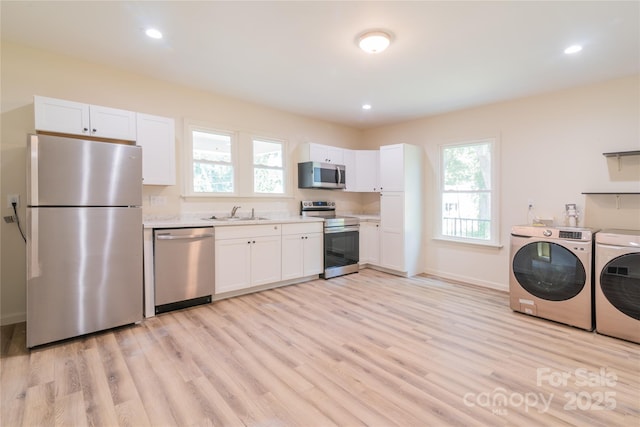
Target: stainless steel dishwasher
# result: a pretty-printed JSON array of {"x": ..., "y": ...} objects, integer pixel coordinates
[{"x": 183, "y": 267}]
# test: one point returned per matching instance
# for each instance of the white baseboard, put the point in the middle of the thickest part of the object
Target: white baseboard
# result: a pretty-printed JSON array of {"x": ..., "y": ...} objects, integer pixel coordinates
[
  {"x": 468, "y": 279},
  {"x": 10, "y": 319}
]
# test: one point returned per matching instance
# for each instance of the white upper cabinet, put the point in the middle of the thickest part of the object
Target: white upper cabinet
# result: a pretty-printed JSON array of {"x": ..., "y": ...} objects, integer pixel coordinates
[
  {"x": 323, "y": 153},
  {"x": 367, "y": 165},
  {"x": 350, "y": 167},
  {"x": 75, "y": 118},
  {"x": 392, "y": 165},
  {"x": 361, "y": 166},
  {"x": 156, "y": 136}
]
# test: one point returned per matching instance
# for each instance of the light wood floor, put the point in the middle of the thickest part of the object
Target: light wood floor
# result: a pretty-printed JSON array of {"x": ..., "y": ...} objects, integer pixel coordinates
[{"x": 364, "y": 349}]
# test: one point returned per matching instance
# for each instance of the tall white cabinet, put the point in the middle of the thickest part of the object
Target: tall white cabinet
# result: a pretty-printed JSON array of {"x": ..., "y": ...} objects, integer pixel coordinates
[{"x": 401, "y": 208}]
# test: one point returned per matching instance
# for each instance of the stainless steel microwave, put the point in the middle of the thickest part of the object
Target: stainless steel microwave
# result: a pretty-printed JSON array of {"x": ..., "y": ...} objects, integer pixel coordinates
[{"x": 321, "y": 175}]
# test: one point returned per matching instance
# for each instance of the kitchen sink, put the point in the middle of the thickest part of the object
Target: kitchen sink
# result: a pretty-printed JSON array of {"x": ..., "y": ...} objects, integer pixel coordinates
[{"x": 234, "y": 219}]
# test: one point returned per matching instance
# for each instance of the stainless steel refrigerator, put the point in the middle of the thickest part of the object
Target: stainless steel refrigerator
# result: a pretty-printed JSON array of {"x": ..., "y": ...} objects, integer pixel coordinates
[{"x": 84, "y": 237}]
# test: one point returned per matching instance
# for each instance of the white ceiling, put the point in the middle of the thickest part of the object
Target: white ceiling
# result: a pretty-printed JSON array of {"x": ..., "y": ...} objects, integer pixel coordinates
[{"x": 302, "y": 56}]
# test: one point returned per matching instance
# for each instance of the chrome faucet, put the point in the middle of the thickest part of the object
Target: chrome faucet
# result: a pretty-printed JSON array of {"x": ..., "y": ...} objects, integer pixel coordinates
[{"x": 233, "y": 211}]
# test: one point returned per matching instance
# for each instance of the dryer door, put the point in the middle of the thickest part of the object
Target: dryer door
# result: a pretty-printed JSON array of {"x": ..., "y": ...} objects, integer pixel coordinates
[
  {"x": 549, "y": 271},
  {"x": 620, "y": 283}
]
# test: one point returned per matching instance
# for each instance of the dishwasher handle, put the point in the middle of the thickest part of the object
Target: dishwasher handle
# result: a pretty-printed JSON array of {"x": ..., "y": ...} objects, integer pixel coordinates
[{"x": 190, "y": 236}]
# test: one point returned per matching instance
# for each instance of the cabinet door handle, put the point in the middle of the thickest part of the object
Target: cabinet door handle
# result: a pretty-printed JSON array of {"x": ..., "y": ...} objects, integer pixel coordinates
[
  {"x": 85, "y": 129},
  {"x": 94, "y": 130}
]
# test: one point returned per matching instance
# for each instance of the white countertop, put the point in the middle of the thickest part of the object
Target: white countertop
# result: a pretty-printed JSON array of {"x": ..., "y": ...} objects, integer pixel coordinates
[
  {"x": 366, "y": 217},
  {"x": 191, "y": 221}
]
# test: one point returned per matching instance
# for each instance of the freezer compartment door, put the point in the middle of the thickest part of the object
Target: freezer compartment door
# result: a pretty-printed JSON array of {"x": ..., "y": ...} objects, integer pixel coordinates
[
  {"x": 84, "y": 271},
  {"x": 76, "y": 172}
]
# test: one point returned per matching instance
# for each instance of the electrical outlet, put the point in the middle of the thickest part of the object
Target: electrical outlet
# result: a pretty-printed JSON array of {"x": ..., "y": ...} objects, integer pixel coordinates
[
  {"x": 530, "y": 203},
  {"x": 157, "y": 200},
  {"x": 11, "y": 198}
]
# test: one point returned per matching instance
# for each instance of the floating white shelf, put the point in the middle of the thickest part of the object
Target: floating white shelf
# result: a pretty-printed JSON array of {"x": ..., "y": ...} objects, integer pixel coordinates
[{"x": 619, "y": 154}]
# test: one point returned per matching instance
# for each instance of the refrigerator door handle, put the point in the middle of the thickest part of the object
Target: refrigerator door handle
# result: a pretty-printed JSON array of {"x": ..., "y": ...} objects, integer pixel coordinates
[{"x": 32, "y": 198}]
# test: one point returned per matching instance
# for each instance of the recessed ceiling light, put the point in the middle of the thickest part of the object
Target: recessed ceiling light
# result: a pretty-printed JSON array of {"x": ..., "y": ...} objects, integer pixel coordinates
[
  {"x": 573, "y": 49},
  {"x": 374, "y": 41},
  {"x": 366, "y": 106},
  {"x": 153, "y": 33}
]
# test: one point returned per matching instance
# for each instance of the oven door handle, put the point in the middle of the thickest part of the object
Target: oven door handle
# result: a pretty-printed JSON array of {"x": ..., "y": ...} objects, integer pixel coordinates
[{"x": 331, "y": 230}]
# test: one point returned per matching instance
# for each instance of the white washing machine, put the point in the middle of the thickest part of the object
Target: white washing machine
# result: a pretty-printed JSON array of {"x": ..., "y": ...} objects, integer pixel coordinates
[
  {"x": 550, "y": 274},
  {"x": 617, "y": 295}
]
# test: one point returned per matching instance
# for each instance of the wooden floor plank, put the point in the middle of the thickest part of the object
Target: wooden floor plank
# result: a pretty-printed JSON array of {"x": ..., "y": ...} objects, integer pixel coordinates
[{"x": 363, "y": 349}]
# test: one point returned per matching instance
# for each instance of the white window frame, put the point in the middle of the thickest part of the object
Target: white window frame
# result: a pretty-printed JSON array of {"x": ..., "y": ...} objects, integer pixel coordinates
[
  {"x": 189, "y": 160},
  {"x": 494, "y": 237},
  {"x": 284, "y": 168}
]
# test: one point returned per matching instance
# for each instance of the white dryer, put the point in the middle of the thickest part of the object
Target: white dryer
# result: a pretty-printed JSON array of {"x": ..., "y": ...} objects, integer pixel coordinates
[
  {"x": 550, "y": 274},
  {"x": 617, "y": 295}
]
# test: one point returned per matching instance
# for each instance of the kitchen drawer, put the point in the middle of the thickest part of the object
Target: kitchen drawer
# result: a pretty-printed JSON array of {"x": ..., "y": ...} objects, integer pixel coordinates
[
  {"x": 245, "y": 231},
  {"x": 302, "y": 228}
]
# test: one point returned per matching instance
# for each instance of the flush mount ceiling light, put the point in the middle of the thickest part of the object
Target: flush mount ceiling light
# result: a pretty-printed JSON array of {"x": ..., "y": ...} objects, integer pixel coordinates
[
  {"x": 153, "y": 33},
  {"x": 366, "y": 107},
  {"x": 374, "y": 41},
  {"x": 573, "y": 49}
]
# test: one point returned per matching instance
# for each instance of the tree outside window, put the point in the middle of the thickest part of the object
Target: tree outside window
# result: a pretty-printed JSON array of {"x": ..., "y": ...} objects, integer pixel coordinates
[
  {"x": 213, "y": 167},
  {"x": 268, "y": 167},
  {"x": 467, "y": 191}
]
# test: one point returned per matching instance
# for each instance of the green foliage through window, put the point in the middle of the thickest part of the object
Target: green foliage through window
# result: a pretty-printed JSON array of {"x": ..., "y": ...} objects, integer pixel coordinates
[
  {"x": 212, "y": 162},
  {"x": 268, "y": 167},
  {"x": 466, "y": 190}
]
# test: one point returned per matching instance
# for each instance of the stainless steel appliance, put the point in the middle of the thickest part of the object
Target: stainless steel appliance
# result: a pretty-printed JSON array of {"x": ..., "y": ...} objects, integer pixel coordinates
[
  {"x": 550, "y": 275},
  {"x": 321, "y": 175},
  {"x": 617, "y": 296},
  {"x": 341, "y": 238},
  {"x": 183, "y": 267},
  {"x": 84, "y": 237}
]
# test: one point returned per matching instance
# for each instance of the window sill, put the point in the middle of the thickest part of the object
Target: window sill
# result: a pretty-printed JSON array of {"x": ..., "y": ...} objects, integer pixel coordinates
[{"x": 469, "y": 242}]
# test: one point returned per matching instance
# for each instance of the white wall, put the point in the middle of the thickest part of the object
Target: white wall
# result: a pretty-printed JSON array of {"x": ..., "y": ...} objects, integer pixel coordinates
[
  {"x": 27, "y": 72},
  {"x": 551, "y": 149},
  {"x": 551, "y": 152}
]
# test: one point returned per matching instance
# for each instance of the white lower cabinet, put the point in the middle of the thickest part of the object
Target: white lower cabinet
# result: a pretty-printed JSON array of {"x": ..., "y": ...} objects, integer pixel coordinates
[
  {"x": 370, "y": 242},
  {"x": 302, "y": 250},
  {"x": 247, "y": 256},
  {"x": 392, "y": 250}
]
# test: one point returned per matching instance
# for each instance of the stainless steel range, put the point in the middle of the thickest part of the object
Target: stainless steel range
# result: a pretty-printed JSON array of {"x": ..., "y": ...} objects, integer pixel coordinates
[{"x": 341, "y": 238}]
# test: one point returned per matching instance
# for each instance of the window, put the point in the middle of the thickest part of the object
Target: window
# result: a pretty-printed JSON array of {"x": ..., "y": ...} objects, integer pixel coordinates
[
  {"x": 468, "y": 192},
  {"x": 213, "y": 156},
  {"x": 233, "y": 163},
  {"x": 268, "y": 167}
]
